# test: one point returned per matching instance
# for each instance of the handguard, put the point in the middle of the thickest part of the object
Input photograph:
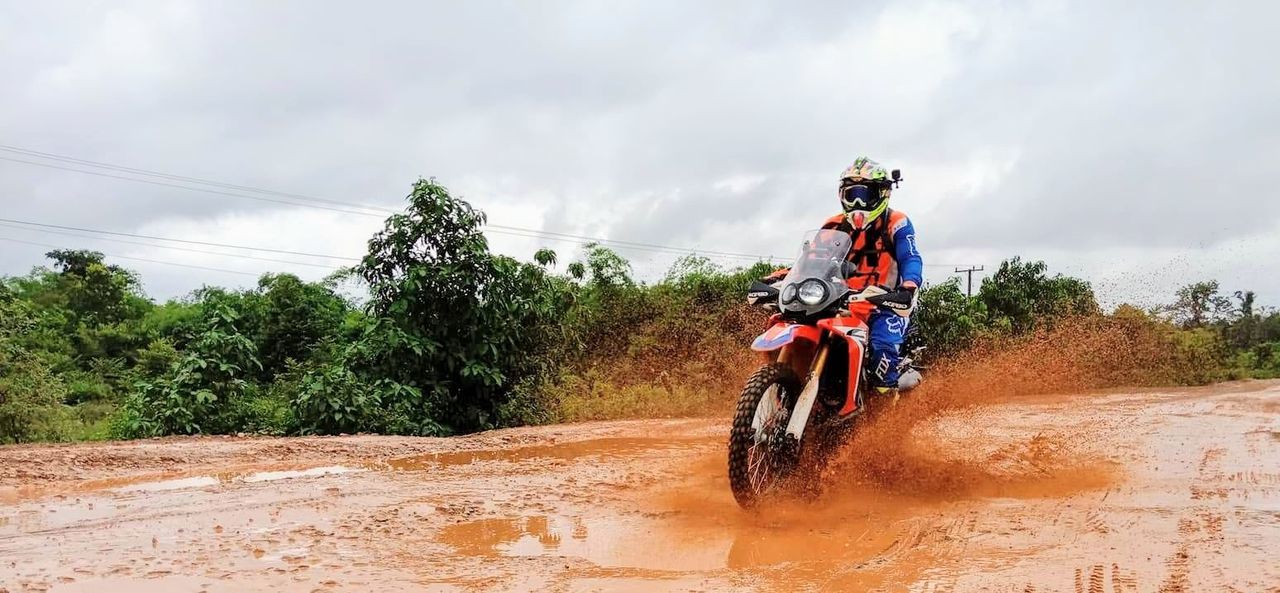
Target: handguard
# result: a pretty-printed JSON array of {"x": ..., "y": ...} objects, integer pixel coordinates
[
  {"x": 763, "y": 295},
  {"x": 901, "y": 301}
]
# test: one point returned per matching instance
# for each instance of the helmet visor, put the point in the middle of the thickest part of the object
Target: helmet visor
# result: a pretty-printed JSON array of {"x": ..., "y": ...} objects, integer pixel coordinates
[{"x": 860, "y": 197}]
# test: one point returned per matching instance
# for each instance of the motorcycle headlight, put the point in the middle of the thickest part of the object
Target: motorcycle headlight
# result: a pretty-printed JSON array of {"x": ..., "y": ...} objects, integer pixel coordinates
[
  {"x": 812, "y": 292},
  {"x": 789, "y": 293}
]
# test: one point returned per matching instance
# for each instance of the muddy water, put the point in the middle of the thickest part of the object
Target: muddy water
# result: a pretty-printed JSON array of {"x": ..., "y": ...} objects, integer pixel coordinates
[{"x": 1106, "y": 493}]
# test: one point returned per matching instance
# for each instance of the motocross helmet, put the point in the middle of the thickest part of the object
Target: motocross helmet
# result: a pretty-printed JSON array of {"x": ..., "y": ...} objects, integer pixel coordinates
[{"x": 864, "y": 192}]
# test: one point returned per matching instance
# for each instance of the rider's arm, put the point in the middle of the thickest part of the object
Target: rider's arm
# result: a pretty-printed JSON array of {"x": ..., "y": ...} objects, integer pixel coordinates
[{"x": 910, "y": 265}]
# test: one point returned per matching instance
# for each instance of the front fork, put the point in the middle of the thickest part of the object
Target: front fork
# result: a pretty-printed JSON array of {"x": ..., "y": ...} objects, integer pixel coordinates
[{"x": 804, "y": 404}]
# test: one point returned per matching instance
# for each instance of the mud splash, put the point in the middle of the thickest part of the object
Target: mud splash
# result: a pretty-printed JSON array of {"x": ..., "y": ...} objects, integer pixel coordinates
[{"x": 900, "y": 448}]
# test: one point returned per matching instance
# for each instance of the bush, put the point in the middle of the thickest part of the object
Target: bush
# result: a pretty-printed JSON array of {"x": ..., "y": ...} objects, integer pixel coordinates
[
  {"x": 267, "y": 413},
  {"x": 31, "y": 397},
  {"x": 333, "y": 399},
  {"x": 30, "y": 392},
  {"x": 200, "y": 389},
  {"x": 948, "y": 321},
  {"x": 457, "y": 327},
  {"x": 1021, "y": 296}
]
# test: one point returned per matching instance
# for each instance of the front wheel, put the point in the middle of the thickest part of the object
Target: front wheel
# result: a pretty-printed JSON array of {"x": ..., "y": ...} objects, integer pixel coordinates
[{"x": 760, "y": 453}]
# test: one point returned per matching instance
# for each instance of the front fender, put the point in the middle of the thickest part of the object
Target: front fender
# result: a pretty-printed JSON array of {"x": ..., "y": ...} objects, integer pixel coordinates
[
  {"x": 856, "y": 335},
  {"x": 781, "y": 334}
]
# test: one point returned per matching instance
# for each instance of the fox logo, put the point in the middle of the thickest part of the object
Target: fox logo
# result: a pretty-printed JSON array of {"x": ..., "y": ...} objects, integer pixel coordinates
[{"x": 882, "y": 367}]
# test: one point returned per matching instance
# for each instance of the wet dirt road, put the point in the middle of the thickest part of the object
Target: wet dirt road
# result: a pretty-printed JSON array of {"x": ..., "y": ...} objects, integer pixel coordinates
[{"x": 1120, "y": 492}]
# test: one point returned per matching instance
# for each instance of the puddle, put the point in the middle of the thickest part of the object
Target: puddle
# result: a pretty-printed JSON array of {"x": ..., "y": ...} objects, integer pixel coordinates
[
  {"x": 165, "y": 485},
  {"x": 664, "y": 543},
  {"x": 164, "y": 584},
  {"x": 610, "y": 543},
  {"x": 608, "y": 448},
  {"x": 219, "y": 479},
  {"x": 302, "y": 473}
]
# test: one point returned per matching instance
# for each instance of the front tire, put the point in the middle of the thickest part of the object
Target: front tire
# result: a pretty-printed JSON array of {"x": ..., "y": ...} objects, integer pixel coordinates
[{"x": 760, "y": 455}]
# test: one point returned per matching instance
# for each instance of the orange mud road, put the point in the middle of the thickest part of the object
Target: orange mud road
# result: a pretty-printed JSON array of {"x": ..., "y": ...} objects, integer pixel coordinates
[{"x": 1115, "y": 492}]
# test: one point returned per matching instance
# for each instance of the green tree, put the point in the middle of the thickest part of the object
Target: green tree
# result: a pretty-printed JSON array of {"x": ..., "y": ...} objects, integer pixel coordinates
[
  {"x": 1243, "y": 327},
  {"x": 296, "y": 317},
  {"x": 1199, "y": 304},
  {"x": 97, "y": 293},
  {"x": 948, "y": 319},
  {"x": 607, "y": 269},
  {"x": 458, "y": 326},
  {"x": 1021, "y": 295}
]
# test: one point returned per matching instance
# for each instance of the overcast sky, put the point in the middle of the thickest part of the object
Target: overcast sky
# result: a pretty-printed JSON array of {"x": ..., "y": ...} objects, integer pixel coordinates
[{"x": 1133, "y": 144}]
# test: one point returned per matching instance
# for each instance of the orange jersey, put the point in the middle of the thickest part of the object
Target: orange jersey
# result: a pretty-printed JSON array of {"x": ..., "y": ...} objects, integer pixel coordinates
[{"x": 882, "y": 252}]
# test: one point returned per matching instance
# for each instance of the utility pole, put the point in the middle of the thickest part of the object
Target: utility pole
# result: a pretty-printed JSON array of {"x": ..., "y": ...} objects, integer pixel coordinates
[{"x": 970, "y": 270}]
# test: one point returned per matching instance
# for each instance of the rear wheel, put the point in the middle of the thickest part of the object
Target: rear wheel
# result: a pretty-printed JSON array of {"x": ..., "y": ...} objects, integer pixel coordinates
[{"x": 761, "y": 455}]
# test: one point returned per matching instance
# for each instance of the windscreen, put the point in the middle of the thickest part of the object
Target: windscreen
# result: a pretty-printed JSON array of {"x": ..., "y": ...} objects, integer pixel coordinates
[
  {"x": 821, "y": 256},
  {"x": 821, "y": 260}
]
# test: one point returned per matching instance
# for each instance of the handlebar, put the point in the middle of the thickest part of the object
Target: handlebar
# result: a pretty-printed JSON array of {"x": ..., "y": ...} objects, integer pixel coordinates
[{"x": 899, "y": 301}]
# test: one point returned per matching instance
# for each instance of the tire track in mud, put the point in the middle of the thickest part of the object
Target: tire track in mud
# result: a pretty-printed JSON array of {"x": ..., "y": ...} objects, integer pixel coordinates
[
  {"x": 1094, "y": 581},
  {"x": 1179, "y": 564},
  {"x": 1200, "y": 535},
  {"x": 1099, "y": 578},
  {"x": 1123, "y": 580}
]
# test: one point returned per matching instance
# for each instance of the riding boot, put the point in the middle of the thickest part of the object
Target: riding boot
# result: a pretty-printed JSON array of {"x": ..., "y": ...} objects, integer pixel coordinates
[{"x": 891, "y": 392}]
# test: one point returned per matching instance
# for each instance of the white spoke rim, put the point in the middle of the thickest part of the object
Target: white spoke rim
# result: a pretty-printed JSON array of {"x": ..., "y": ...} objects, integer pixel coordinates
[
  {"x": 762, "y": 423},
  {"x": 765, "y": 411}
]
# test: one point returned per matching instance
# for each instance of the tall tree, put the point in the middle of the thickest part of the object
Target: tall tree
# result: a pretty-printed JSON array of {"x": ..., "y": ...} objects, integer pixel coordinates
[
  {"x": 96, "y": 293},
  {"x": 459, "y": 326},
  {"x": 1199, "y": 304}
]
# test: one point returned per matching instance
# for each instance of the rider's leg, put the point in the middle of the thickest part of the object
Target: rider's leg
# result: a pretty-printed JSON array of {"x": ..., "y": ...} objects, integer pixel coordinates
[{"x": 888, "y": 330}]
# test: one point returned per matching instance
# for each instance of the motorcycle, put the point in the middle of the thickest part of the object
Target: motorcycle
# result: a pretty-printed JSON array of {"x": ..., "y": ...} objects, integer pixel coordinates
[{"x": 818, "y": 331}]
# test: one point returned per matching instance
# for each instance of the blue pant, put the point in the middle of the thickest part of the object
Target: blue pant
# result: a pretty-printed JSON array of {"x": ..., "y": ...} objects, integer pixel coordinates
[{"x": 888, "y": 331}]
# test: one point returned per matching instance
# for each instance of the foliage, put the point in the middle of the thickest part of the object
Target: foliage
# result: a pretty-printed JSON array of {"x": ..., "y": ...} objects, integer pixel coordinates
[
  {"x": 1244, "y": 337},
  {"x": 948, "y": 320},
  {"x": 296, "y": 317},
  {"x": 1021, "y": 295},
  {"x": 334, "y": 399},
  {"x": 30, "y": 393},
  {"x": 1199, "y": 304},
  {"x": 461, "y": 326},
  {"x": 200, "y": 388},
  {"x": 455, "y": 338},
  {"x": 95, "y": 293}
]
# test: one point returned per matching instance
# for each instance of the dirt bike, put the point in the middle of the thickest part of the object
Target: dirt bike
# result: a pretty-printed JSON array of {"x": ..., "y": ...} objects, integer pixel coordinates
[{"x": 819, "y": 332}]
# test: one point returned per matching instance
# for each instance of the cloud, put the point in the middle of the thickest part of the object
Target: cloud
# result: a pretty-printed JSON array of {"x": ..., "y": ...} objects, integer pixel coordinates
[{"x": 1103, "y": 138}]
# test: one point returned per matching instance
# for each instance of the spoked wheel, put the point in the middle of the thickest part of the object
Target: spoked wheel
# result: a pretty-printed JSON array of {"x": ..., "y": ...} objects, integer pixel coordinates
[{"x": 760, "y": 454}]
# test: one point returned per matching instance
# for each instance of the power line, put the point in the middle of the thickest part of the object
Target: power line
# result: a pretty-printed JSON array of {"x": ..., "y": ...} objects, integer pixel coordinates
[
  {"x": 143, "y": 259},
  {"x": 281, "y": 251},
  {"x": 187, "y": 187},
  {"x": 499, "y": 229},
  {"x": 170, "y": 247},
  {"x": 343, "y": 206},
  {"x": 188, "y": 241},
  {"x": 171, "y": 176},
  {"x": 347, "y": 205}
]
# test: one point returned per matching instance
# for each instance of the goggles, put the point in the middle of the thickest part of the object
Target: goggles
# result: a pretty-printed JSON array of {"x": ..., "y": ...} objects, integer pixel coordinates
[{"x": 860, "y": 197}]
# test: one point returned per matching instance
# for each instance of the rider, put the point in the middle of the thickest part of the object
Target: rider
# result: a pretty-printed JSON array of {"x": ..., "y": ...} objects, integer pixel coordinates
[{"x": 884, "y": 253}]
